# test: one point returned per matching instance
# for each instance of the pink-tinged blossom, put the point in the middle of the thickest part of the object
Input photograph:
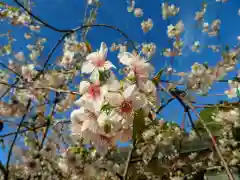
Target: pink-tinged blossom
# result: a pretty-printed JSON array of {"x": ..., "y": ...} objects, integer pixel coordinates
[
  {"x": 233, "y": 90},
  {"x": 83, "y": 121},
  {"x": 97, "y": 61},
  {"x": 93, "y": 94},
  {"x": 126, "y": 103},
  {"x": 138, "y": 65}
]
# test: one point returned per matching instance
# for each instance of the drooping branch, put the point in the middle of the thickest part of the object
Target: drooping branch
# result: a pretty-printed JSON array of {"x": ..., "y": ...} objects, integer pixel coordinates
[{"x": 40, "y": 20}]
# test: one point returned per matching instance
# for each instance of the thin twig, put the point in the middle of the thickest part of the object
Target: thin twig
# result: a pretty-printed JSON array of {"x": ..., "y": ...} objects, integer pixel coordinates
[
  {"x": 49, "y": 123},
  {"x": 10, "y": 87},
  {"x": 50, "y": 55},
  {"x": 47, "y": 87},
  {"x": 79, "y": 29},
  {"x": 22, "y": 131},
  {"x": 127, "y": 163},
  {"x": 11, "y": 70},
  {"x": 163, "y": 106},
  {"x": 14, "y": 140}
]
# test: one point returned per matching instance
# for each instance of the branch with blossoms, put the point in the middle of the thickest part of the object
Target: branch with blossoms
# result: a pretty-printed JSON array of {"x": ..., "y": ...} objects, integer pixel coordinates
[{"x": 105, "y": 109}]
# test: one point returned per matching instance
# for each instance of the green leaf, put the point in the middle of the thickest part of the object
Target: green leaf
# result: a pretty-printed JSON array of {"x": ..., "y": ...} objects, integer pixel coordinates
[
  {"x": 138, "y": 124},
  {"x": 14, "y": 9},
  {"x": 107, "y": 108},
  {"x": 2, "y": 4},
  {"x": 104, "y": 76},
  {"x": 206, "y": 115},
  {"x": 7, "y": 49},
  {"x": 157, "y": 77}
]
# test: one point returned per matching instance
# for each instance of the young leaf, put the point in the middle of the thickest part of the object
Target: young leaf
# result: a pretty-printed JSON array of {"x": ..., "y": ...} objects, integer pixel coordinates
[
  {"x": 138, "y": 124},
  {"x": 156, "y": 78}
]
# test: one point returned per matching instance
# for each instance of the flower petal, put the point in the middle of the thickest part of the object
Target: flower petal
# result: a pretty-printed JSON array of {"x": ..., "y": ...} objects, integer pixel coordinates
[
  {"x": 83, "y": 87},
  {"x": 87, "y": 67},
  {"x": 126, "y": 58},
  {"x": 92, "y": 56},
  {"x": 103, "y": 51},
  {"x": 129, "y": 91},
  {"x": 108, "y": 65},
  {"x": 114, "y": 99},
  {"x": 114, "y": 85},
  {"x": 138, "y": 101}
]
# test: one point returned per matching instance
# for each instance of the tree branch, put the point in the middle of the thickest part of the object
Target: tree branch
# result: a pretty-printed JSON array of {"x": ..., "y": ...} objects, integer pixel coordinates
[
  {"x": 40, "y": 20},
  {"x": 14, "y": 141}
]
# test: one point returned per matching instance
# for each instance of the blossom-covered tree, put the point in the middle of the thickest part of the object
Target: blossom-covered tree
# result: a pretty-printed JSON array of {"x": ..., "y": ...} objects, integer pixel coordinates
[{"x": 110, "y": 106}]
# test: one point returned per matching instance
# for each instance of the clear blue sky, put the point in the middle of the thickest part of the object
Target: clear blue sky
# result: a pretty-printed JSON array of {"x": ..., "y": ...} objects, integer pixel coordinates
[{"x": 69, "y": 14}]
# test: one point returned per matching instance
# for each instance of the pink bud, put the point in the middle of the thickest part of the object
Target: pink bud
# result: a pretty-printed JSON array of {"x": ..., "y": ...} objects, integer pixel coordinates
[{"x": 138, "y": 12}]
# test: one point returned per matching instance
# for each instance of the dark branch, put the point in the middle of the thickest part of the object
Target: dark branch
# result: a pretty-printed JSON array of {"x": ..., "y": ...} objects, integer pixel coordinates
[
  {"x": 14, "y": 140},
  {"x": 40, "y": 20}
]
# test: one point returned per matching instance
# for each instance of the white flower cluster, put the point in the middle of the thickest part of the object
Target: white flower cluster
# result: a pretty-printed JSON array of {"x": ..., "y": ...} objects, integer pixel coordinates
[
  {"x": 213, "y": 30},
  {"x": 202, "y": 77},
  {"x": 73, "y": 51},
  {"x": 199, "y": 15},
  {"x": 234, "y": 90},
  {"x": 149, "y": 49},
  {"x": 175, "y": 31},
  {"x": 107, "y": 105},
  {"x": 196, "y": 46},
  {"x": 228, "y": 117},
  {"x": 147, "y": 25},
  {"x": 169, "y": 10}
]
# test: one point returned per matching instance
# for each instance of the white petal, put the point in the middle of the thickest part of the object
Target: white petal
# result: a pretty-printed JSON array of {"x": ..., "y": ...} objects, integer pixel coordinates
[
  {"x": 94, "y": 76},
  {"x": 86, "y": 103},
  {"x": 115, "y": 99},
  {"x": 114, "y": 85},
  {"x": 126, "y": 58},
  {"x": 102, "y": 119},
  {"x": 76, "y": 113},
  {"x": 108, "y": 65},
  {"x": 83, "y": 87},
  {"x": 87, "y": 67},
  {"x": 138, "y": 102},
  {"x": 115, "y": 117},
  {"x": 103, "y": 51},
  {"x": 97, "y": 103},
  {"x": 129, "y": 92},
  {"x": 79, "y": 102},
  {"x": 147, "y": 87},
  {"x": 91, "y": 125},
  {"x": 92, "y": 56}
]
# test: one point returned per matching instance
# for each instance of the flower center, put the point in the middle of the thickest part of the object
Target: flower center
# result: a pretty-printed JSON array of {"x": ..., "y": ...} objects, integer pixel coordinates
[
  {"x": 126, "y": 107},
  {"x": 94, "y": 91},
  {"x": 99, "y": 63}
]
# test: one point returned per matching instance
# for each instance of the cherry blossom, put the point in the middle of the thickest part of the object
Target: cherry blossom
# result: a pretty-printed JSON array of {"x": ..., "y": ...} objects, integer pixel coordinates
[{"x": 97, "y": 61}]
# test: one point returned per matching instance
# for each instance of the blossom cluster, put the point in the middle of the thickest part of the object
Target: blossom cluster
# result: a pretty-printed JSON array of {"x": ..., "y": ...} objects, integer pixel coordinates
[
  {"x": 202, "y": 76},
  {"x": 108, "y": 105}
]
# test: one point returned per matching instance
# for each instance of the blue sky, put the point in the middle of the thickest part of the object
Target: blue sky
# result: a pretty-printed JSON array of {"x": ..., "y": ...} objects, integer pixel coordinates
[{"x": 67, "y": 14}]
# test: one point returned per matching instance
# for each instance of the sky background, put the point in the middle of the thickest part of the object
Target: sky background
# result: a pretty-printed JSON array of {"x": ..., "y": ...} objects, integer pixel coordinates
[{"x": 67, "y": 14}]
